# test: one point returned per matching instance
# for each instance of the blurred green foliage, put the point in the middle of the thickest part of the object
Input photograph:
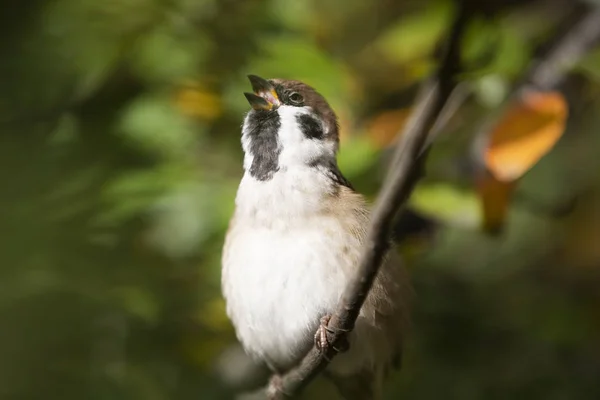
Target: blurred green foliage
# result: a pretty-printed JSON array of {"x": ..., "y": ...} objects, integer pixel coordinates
[{"x": 119, "y": 147}]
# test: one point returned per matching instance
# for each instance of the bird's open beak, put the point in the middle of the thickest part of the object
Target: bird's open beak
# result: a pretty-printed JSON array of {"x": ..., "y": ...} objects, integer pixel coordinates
[{"x": 264, "y": 96}]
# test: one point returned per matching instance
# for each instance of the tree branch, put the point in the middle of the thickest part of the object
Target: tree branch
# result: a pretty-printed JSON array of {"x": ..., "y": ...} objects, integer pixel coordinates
[
  {"x": 406, "y": 168},
  {"x": 404, "y": 171}
]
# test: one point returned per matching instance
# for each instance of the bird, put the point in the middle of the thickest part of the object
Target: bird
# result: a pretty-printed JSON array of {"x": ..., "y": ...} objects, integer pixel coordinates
[{"x": 294, "y": 241}]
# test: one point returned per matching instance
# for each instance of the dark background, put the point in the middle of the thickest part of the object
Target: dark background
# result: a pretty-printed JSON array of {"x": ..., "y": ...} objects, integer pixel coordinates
[{"x": 120, "y": 158}]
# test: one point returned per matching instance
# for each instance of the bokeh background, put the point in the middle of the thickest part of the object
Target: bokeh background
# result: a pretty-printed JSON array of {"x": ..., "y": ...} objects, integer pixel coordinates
[{"x": 120, "y": 158}]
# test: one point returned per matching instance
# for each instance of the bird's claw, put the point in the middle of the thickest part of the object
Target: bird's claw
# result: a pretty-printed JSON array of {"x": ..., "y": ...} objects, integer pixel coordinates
[
  {"x": 322, "y": 340},
  {"x": 321, "y": 336}
]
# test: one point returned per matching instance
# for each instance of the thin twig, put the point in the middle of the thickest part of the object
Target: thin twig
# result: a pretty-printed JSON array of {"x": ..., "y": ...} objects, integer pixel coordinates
[{"x": 404, "y": 171}]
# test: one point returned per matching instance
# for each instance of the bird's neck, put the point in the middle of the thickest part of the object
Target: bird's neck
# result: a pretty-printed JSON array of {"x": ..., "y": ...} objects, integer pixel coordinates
[{"x": 298, "y": 192}]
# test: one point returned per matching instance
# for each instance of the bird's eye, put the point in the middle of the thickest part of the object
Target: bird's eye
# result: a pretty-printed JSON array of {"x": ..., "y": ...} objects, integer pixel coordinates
[{"x": 296, "y": 98}]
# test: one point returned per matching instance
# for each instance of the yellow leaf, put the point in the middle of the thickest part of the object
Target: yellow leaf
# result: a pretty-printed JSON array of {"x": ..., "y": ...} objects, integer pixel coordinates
[
  {"x": 345, "y": 125},
  {"x": 384, "y": 128},
  {"x": 528, "y": 131},
  {"x": 495, "y": 199},
  {"x": 198, "y": 102}
]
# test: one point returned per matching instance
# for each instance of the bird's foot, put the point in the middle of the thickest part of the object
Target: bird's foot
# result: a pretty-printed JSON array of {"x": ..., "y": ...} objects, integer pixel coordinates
[{"x": 323, "y": 339}]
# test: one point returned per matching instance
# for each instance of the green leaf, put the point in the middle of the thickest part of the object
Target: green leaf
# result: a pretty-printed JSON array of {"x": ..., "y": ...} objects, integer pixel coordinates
[
  {"x": 447, "y": 203},
  {"x": 416, "y": 35},
  {"x": 153, "y": 124},
  {"x": 183, "y": 48},
  {"x": 356, "y": 155},
  {"x": 132, "y": 193}
]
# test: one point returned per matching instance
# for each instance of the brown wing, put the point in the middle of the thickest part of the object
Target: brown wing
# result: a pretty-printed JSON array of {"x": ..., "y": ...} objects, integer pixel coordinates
[
  {"x": 388, "y": 304},
  {"x": 386, "y": 308}
]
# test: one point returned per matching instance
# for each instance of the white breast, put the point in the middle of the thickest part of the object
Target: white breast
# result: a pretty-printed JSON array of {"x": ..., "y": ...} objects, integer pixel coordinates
[{"x": 286, "y": 261}]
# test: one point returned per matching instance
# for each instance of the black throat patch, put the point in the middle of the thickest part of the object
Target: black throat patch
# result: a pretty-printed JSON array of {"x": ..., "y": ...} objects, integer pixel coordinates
[{"x": 263, "y": 127}]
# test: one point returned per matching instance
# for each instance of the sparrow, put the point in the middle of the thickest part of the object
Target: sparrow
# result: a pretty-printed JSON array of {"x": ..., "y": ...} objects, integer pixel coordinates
[{"x": 294, "y": 241}]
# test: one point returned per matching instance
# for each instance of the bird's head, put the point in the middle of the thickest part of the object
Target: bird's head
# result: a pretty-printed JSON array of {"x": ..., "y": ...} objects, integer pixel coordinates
[{"x": 290, "y": 125}]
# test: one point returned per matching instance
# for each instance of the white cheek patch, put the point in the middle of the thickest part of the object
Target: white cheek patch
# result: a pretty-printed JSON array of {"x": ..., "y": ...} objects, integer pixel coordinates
[{"x": 297, "y": 149}]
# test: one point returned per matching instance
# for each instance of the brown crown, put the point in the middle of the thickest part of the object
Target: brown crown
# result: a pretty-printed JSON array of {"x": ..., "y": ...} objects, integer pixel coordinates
[{"x": 313, "y": 99}]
